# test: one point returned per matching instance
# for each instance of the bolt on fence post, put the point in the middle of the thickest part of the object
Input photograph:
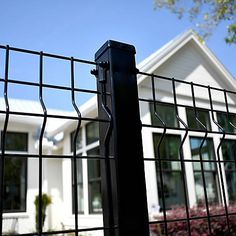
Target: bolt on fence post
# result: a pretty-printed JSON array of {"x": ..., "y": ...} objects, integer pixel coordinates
[{"x": 123, "y": 179}]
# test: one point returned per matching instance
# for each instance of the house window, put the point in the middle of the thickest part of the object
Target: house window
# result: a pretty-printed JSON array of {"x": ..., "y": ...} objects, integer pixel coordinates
[
  {"x": 94, "y": 173},
  {"x": 78, "y": 140},
  {"x": 209, "y": 170},
  {"x": 15, "y": 173},
  {"x": 94, "y": 182},
  {"x": 80, "y": 191},
  {"x": 92, "y": 132},
  {"x": 79, "y": 172},
  {"x": 229, "y": 153},
  {"x": 167, "y": 114},
  {"x": 203, "y": 117},
  {"x": 224, "y": 121},
  {"x": 15, "y": 141},
  {"x": 172, "y": 177}
]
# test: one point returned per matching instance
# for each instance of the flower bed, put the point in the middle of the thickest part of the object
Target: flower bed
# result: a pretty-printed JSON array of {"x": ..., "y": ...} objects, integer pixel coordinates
[{"x": 198, "y": 222}]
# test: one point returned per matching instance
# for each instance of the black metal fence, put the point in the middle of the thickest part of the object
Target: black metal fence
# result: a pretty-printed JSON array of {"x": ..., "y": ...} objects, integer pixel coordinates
[
  {"x": 192, "y": 134},
  {"x": 45, "y": 115},
  {"x": 209, "y": 215}
]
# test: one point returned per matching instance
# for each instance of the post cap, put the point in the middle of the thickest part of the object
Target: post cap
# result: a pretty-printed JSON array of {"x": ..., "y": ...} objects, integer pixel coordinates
[{"x": 114, "y": 44}]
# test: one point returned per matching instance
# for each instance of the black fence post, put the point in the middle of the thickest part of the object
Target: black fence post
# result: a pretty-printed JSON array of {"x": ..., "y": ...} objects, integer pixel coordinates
[{"x": 123, "y": 179}]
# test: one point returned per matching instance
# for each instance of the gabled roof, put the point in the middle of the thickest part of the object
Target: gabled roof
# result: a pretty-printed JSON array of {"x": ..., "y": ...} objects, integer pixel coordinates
[{"x": 155, "y": 60}]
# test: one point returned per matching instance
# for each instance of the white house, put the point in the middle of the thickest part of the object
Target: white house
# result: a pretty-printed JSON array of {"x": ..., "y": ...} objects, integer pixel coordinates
[{"x": 183, "y": 58}]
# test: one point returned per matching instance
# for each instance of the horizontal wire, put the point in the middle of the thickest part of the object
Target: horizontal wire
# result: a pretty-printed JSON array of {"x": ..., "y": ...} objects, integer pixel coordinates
[
  {"x": 192, "y": 218},
  {"x": 65, "y": 231},
  {"x": 188, "y": 160},
  {"x": 53, "y": 116},
  {"x": 182, "y": 105},
  {"x": 51, "y": 86},
  {"x": 99, "y": 157},
  {"x": 47, "y": 55},
  {"x": 184, "y": 82},
  {"x": 53, "y": 156},
  {"x": 190, "y": 129}
]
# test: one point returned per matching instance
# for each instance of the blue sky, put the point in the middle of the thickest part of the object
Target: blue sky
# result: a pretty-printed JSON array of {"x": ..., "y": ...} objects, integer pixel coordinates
[{"x": 78, "y": 28}]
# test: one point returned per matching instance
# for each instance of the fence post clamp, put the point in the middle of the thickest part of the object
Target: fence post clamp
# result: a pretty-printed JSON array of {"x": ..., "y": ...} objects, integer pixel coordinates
[{"x": 102, "y": 67}]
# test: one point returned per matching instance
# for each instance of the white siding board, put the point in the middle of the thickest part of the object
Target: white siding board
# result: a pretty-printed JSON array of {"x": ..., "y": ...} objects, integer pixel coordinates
[{"x": 191, "y": 65}]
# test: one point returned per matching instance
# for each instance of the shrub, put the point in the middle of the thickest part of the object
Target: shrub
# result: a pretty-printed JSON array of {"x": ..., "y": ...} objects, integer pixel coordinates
[
  {"x": 46, "y": 200},
  {"x": 199, "y": 226}
]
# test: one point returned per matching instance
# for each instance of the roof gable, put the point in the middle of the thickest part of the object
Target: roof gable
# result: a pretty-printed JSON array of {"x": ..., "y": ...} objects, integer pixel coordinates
[{"x": 155, "y": 61}]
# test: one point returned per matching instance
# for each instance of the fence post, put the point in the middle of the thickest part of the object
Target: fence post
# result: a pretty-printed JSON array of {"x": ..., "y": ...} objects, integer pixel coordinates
[{"x": 123, "y": 179}]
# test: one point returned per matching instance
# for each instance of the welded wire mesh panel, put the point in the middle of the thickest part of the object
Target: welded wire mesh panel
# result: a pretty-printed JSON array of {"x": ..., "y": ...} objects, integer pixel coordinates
[
  {"x": 67, "y": 165},
  {"x": 50, "y": 178},
  {"x": 189, "y": 146}
]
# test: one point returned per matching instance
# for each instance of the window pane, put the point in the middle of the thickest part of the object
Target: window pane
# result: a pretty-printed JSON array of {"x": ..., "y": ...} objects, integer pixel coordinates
[
  {"x": 173, "y": 189},
  {"x": 14, "y": 185},
  {"x": 229, "y": 154},
  {"x": 202, "y": 115},
  {"x": 94, "y": 171},
  {"x": 95, "y": 203},
  {"x": 167, "y": 114},
  {"x": 209, "y": 169},
  {"x": 211, "y": 187},
  {"x": 169, "y": 149},
  {"x": 15, "y": 173},
  {"x": 169, "y": 165},
  {"x": 207, "y": 151},
  {"x": 79, "y": 186},
  {"x": 172, "y": 178},
  {"x": 231, "y": 184},
  {"x": 94, "y": 181},
  {"x": 224, "y": 121},
  {"x": 92, "y": 132},
  {"x": 78, "y": 140},
  {"x": 16, "y": 141}
]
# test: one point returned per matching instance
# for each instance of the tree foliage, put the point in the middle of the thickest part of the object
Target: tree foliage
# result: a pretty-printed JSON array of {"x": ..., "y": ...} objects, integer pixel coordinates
[{"x": 207, "y": 14}]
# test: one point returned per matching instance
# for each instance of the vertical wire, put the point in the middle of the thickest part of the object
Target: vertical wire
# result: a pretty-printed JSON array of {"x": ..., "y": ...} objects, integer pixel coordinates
[
  {"x": 106, "y": 142},
  {"x": 183, "y": 172},
  {"x": 40, "y": 222},
  {"x": 200, "y": 157},
  {"x": 159, "y": 154},
  {"x": 74, "y": 144},
  {"x": 227, "y": 109},
  {"x": 3, "y": 138},
  {"x": 218, "y": 158}
]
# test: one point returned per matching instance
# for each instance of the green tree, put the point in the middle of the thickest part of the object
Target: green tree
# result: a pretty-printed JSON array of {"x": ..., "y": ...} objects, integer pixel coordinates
[{"x": 207, "y": 14}]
